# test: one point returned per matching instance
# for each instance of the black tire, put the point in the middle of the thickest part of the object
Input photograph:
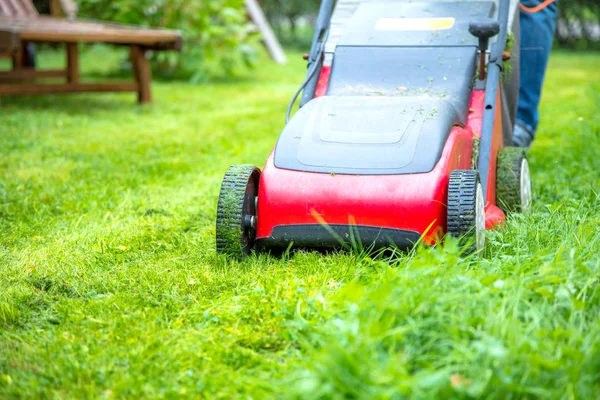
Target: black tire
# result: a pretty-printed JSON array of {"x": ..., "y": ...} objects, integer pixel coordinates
[
  {"x": 513, "y": 183},
  {"x": 236, "y": 211},
  {"x": 466, "y": 209}
]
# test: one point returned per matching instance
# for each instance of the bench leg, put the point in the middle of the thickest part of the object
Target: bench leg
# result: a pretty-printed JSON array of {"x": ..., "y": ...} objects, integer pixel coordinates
[
  {"x": 24, "y": 57},
  {"x": 72, "y": 63},
  {"x": 17, "y": 59},
  {"x": 142, "y": 73}
]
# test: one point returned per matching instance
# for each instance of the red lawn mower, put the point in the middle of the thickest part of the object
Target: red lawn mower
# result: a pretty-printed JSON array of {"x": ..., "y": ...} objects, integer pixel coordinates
[{"x": 399, "y": 137}]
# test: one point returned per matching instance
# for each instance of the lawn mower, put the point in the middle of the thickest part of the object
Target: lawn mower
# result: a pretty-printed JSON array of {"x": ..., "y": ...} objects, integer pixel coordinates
[{"x": 402, "y": 134}]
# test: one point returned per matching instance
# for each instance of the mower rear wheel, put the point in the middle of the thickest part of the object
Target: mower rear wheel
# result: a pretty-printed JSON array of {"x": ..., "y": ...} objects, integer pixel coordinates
[
  {"x": 513, "y": 183},
  {"x": 236, "y": 211},
  {"x": 466, "y": 209}
]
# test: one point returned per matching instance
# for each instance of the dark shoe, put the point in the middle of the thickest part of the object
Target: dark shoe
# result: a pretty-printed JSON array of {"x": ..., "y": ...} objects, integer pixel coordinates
[{"x": 522, "y": 137}]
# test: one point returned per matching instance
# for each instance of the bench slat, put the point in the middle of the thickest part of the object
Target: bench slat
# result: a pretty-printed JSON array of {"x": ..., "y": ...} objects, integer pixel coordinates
[
  {"x": 17, "y": 8},
  {"x": 29, "y": 7},
  {"x": 50, "y": 29},
  {"x": 6, "y": 9},
  {"x": 31, "y": 73},
  {"x": 48, "y": 88}
]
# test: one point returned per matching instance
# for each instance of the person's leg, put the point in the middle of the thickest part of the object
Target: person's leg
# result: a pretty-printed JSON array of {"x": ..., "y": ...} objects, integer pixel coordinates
[{"x": 537, "y": 35}]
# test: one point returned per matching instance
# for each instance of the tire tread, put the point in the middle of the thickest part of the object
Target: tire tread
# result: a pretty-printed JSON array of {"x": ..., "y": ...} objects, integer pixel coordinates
[{"x": 229, "y": 230}]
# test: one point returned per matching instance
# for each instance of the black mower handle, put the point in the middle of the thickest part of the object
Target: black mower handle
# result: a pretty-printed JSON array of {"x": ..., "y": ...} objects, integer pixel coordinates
[
  {"x": 491, "y": 92},
  {"x": 314, "y": 58},
  {"x": 484, "y": 29}
]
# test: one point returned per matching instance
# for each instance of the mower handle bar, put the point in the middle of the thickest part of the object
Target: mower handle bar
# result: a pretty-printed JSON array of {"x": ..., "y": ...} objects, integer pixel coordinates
[{"x": 492, "y": 85}]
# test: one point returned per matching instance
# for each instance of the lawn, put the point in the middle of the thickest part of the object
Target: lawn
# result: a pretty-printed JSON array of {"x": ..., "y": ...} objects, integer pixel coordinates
[{"x": 110, "y": 286}]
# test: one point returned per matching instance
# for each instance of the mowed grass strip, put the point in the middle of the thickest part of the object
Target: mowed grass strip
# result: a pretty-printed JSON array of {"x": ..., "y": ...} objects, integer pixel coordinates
[{"x": 110, "y": 285}]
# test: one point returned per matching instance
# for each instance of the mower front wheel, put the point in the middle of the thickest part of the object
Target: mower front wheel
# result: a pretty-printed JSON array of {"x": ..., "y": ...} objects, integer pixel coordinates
[
  {"x": 237, "y": 211},
  {"x": 513, "y": 183},
  {"x": 466, "y": 209}
]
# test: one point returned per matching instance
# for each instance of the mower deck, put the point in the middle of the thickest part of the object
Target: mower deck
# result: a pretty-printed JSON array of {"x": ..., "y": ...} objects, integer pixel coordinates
[{"x": 406, "y": 202}]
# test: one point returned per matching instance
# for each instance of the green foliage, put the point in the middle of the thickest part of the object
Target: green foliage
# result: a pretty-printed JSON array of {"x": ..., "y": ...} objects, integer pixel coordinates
[
  {"x": 438, "y": 326},
  {"x": 290, "y": 9},
  {"x": 110, "y": 286},
  {"x": 583, "y": 13},
  {"x": 217, "y": 35},
  {"x": 285, "y": 17}
]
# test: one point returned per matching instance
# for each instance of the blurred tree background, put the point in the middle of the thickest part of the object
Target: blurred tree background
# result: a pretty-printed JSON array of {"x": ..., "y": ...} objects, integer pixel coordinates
[
  {"x": 292, "y": 20},
  {"x": 579, "y": 24},
  {"x": 220, "y": 41}
]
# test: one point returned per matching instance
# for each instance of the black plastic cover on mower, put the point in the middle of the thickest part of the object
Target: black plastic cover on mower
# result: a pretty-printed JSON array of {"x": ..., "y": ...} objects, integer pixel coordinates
[{"x": 393, "y": 94}]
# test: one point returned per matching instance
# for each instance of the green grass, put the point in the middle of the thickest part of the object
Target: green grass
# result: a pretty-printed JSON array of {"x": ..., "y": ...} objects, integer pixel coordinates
[{"x": 110, "y": 286}]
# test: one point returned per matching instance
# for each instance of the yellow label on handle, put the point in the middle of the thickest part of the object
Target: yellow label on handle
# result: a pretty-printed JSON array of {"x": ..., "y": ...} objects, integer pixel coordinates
[{"x": 414, "y": 24}]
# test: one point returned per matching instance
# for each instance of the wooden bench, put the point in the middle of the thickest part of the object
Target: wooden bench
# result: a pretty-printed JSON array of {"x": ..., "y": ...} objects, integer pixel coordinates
[{"x": 21, "y": 25}]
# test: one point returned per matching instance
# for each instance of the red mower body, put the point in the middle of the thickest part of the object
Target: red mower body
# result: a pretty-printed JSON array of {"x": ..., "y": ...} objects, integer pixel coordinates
[{"x": 413, "y": 205}]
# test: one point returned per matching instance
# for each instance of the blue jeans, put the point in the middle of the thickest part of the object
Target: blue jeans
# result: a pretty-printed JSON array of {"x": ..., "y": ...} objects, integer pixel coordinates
[{"x": 537, "y": 35}]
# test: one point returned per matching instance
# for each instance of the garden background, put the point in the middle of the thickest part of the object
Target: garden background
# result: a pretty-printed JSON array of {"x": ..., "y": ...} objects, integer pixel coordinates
[{"x": 110, "y": 286}]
